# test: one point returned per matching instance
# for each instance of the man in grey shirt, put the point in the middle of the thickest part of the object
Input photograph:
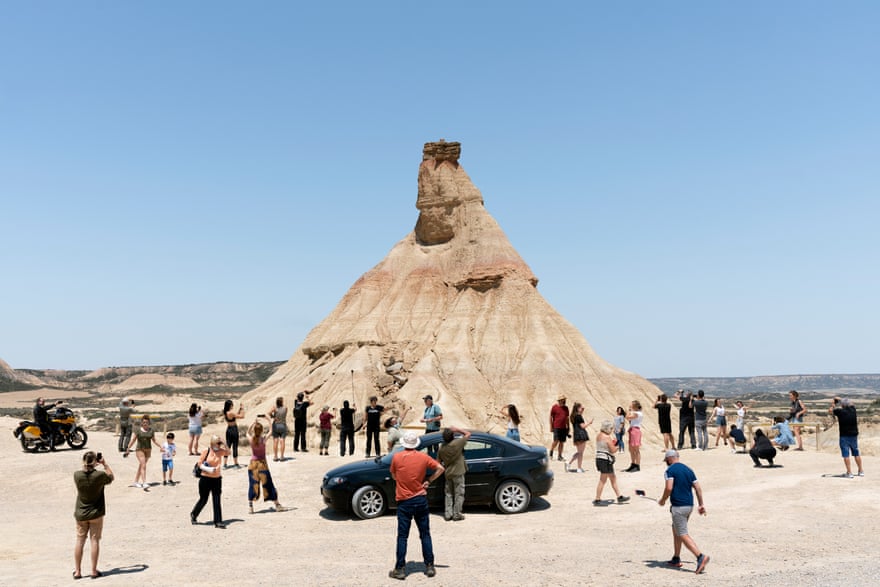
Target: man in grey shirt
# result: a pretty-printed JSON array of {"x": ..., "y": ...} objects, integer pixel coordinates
[{"x": 700, "y": 406}]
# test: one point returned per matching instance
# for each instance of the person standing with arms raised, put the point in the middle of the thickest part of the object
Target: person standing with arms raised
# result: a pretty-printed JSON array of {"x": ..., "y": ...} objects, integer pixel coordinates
[
  {"x": 300, "y": 421},
  {"x": 90, "y": 510},
  {"x": 848, "y": 422}
]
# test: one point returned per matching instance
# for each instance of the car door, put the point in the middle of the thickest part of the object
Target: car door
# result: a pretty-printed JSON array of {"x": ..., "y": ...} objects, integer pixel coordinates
[{"x": 485, "y": 460}]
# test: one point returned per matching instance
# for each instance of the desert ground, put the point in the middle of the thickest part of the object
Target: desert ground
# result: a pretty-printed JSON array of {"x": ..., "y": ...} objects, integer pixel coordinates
[{"x": 780, "y": 526}]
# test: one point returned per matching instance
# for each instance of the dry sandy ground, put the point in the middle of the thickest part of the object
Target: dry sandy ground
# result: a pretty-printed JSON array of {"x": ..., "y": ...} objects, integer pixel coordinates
[{"x": 783, "y": 526}]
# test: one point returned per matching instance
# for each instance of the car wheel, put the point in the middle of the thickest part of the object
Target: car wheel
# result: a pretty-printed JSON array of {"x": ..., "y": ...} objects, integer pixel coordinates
[
  {"x": 512, "y": 497},
  {"x": 368, "y": 503}
]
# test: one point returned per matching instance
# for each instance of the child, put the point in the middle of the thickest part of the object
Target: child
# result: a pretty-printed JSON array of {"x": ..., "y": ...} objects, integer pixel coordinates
[{"x": 169, "y": 450}]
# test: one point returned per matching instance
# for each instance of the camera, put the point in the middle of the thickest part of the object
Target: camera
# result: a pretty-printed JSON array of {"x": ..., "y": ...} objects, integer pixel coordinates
[
  {"x": 99, "y": 457},
  {"x": 836, "y": 401}
]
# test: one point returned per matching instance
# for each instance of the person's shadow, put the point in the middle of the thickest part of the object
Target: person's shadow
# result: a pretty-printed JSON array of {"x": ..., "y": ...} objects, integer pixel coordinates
[{"x": 125, "y": 570}]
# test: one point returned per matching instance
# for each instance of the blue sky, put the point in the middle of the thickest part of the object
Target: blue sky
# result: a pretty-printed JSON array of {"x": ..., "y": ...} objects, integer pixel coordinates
[{"x": 695, "y": 184}]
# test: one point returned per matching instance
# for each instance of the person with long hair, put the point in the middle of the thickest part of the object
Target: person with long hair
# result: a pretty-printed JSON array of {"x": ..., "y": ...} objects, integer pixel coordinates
[
  {"x": 580, "y": 437},
  {"x": 620, "y": 427},
  {"x": 90, "y": 510},
  {"x": 718, "y": 413},
  {"x": 605, "y": 449},
  {"x": 258, "y": 469},
  {"x": 232, "y": 430},
  {"x": 195, "y": 427},
  {"x": 211, "y": 481},
  {"x": 634, "y": 417},
  {"x": 278, "y": 415},
  {"x": 796, "y": 416},
  {"x": 145, "y": 438},
  {"x": 512, "y": 414}
]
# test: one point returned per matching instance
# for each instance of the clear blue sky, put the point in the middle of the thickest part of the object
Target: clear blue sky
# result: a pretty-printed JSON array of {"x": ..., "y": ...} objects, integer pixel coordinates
[{"x": 695, "y": 184}]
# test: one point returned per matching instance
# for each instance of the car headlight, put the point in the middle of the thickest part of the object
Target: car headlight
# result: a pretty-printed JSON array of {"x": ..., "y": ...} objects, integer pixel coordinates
[
  {"x": 543, "y": 461},
  {"x": 335, "y": 481}
]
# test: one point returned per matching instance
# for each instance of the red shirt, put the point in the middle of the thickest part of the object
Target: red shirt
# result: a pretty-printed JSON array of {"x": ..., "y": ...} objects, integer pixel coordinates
[
  {"x": 325, "y": 418},
  {"x": 559, "y": 415},
  {"x": 410, "y": 470}
]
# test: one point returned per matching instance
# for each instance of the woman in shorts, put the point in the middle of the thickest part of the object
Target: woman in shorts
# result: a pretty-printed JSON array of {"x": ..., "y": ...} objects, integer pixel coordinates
[
  {"x": 635, "y": 417},
  {"x": 195, "y": 428},
  {"x": 720, "y": 416},
  {"x": 579, "y": 427},
  {"x": 605, "y": 449},
  {"x": 278, "y": 415},
  {"x": 145, "y": 438}
]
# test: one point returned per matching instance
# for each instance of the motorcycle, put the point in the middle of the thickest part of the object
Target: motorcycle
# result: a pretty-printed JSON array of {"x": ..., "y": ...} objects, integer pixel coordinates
[{"x": 64, "y": 428}]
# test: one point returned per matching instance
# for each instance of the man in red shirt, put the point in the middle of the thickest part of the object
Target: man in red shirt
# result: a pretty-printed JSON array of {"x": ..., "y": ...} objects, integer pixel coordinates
[
  {"x": 409, "y": 468},
  {"x": 559, "y": 425}
]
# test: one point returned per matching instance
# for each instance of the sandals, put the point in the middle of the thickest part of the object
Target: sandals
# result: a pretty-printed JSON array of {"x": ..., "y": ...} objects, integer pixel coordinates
[
  {"x": 75, "y": 576},
  {"x": 97, "y": 575}
]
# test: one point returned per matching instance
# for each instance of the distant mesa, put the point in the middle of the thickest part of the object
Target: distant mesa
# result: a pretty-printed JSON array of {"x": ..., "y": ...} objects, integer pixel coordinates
[{"x": 453, "y": 311}]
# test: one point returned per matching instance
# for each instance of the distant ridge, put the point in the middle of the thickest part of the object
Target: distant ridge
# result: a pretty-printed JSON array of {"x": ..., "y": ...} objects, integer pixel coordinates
[{"x": 851, "y": 384}]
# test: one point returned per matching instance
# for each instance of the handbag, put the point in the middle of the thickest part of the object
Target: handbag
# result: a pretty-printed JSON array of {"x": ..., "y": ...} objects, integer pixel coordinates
[{"x": 197, "y": 468}]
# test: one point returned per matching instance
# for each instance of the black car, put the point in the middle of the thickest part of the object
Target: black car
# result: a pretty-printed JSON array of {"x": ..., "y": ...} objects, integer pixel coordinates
[{"x": 500, "y": 471}]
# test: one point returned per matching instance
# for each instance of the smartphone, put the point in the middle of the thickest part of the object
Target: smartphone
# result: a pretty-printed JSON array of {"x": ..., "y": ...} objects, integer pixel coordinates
[
  {"x": 640, "y": 492},
  {"x": 100, "y": 457}
]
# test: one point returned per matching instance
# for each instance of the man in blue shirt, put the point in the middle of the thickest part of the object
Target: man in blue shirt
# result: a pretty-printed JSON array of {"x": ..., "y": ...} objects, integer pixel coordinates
[{"x": 681, "y": 484}]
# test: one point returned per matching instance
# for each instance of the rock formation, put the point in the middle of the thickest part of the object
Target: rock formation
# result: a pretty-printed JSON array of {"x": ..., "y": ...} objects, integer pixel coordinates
[{"x": 453, "y": 311}]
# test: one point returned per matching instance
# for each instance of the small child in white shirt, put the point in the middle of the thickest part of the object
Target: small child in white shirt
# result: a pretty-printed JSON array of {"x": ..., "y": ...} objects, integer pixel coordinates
[{"x": 169, "y": 449}]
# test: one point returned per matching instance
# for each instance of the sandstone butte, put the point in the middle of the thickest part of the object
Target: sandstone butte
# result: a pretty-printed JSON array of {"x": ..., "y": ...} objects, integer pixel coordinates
[{"x": 453, "y": 311}]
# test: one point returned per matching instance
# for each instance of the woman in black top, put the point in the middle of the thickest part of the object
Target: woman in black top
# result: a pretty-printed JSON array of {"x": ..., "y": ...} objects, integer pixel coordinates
[
  {"x": 232, "y": 430},
  {"x": 762, "y": 449}
]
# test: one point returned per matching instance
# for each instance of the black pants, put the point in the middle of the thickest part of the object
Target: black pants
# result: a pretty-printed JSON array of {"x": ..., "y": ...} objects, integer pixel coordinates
[
  {"x": 299, "y": 434},
  {"x": 212, "y": 486},
  {"x": 343, "y": 434},
  {"x": 373, "y": 436},
  {"x": 124, "y": 435},
  {"x": 767, "y": 454},
  {"x": 686, "y": 424},
  {"x": 232, "y": 439}
]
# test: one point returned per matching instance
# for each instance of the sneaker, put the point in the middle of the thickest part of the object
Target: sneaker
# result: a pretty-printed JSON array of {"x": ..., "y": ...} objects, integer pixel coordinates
[
  {"x": 634, "y": 469},
  {"x": 580, "y": 471},
  {"x": 250, "y": 509},
  {"x": 192, "y": 519},
  {"x": 848, "y": 475},
  {"x": 447, "y": 518},
  {"x": 698, "y": 448},
  {"x": 220, "y": 526},
  {"x": 674, "y": 562},
  {"x": 566, "y": 467},
  {"x": 860, "y": 474},
  {"x": 281, "y": 508},
  {"x": 560, "y": 458},
  {"x": 430, "y": 571},
  {"x": 622, "y": 498},
  {"x": 398, "y": 574},
  {"x": 597, "y": 502},
  {"x": 164, "y": 482},
  {"x": 702, "y": 561},
  {"x": 457, "y": 518}
]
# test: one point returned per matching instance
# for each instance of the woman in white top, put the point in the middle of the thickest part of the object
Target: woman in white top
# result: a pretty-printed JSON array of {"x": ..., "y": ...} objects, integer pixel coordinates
[
  {"x": 634, "y": 417},
  {"x": 195, "y": 428},
  {"x": 718, "y": 413},
  {"x": 512, "y": 414},
  {"x": 740, "y": 414}
]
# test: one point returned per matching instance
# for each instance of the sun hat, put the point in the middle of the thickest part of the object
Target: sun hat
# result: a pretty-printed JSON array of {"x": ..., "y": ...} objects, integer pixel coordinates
[
  {"x": 410, "y": 440},
  {"x": 561, "y": 397}
]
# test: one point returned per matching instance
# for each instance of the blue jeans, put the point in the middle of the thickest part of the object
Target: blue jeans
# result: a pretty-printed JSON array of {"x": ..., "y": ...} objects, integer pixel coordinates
[
  {"x": 702, "y": 434},
  {"x": 513, "y": 434},
  {"x": 415, "y": 507}
]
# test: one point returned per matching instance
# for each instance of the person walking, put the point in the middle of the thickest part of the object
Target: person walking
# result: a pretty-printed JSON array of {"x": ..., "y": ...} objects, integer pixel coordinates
[
  {"x": 278, "y": 415},
  {"x": 685, "y": 418},
  {"x": 605, "y": 449},
  {"x": 409, "y": 469},
  {"x": 373, "y": 415},
  {"x": 126, "y": 409},
  {"x": 559, "y": 416},
  {"x": 145, "y": 438},
  {"x": 211, "y": 481},
  {"x": 580, "y": 437},
  {"x": 848, "y": 425},
  {"x": 701, "y": 419},
  {"x": 796, "y": 413},
  {"x": 300, "y": 421},
  {"x": 89, "y": 510},
  {"x": 664, "y": 419},
  {"x": 452, "y": 457},
  {"x": 635, "y": 417},
  {"x": 346, "y": 428},
  {"x": 762, "y": 448},
  {"x": 231, "y": 418},
  {"x": 258, "y": 469},
  {"x": 680, "y": 485}
]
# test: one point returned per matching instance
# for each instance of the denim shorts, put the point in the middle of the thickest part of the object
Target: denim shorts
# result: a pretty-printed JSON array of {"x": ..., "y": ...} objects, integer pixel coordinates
[
  {"x": 849, "y": 444},
  {"x": 167, "y": 466}
]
